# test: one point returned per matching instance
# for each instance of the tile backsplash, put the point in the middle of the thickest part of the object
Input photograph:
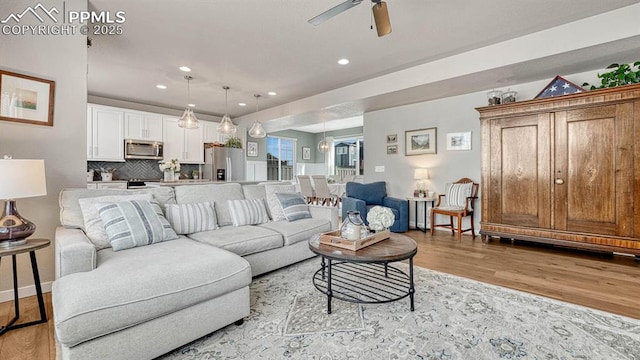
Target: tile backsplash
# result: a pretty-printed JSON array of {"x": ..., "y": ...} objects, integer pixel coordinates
[{"x": 137, "y": 169}]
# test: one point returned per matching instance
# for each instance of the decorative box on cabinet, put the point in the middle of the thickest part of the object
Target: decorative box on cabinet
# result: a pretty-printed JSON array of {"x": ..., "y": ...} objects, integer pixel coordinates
[{"x": 563, "y": 170}]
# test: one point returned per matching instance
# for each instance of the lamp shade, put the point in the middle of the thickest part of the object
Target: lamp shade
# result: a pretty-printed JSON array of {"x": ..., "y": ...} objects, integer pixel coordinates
[
  {"x": 421, "y": 174},
  {"x": 22, "y": 178}
]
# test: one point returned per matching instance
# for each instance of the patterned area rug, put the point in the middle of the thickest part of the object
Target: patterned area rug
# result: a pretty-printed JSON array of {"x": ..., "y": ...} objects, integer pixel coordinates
[{"x": 454, "y": 318}]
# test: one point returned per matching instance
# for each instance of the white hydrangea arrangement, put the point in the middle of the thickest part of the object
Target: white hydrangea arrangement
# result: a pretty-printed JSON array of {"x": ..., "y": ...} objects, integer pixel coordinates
[
  {"x": 380, "y": 218},
  {"x": 173, "y": 164}
]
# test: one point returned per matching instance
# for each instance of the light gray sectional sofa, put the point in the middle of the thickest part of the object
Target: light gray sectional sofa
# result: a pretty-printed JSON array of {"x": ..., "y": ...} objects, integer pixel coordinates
[{"x": 142, "y": 302}]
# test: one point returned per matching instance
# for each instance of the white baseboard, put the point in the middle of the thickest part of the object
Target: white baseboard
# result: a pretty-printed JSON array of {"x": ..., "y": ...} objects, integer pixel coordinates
[{"x": 25, "y": 291}]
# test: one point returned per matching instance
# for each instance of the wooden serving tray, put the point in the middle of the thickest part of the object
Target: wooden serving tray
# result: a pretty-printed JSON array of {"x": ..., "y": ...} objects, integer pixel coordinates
[{"x": 333, "y": 238}]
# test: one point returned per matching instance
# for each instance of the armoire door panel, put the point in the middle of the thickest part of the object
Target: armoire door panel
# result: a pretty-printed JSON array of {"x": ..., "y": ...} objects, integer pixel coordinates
[
  {"x": 519, "y": 195},
  {"x": 593, "y": 165}
]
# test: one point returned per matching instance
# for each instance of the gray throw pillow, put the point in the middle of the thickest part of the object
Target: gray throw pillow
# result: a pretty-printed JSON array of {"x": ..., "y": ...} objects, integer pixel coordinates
[
  {"x": 191, "y": 218},
  {"x": 294, "y": 206},
  {"x": 134, "y": 223},
  {"x": 277, "y": 214}
]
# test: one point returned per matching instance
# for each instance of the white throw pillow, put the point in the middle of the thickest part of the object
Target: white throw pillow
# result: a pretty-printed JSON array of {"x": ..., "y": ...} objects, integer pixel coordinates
[
  {"x": 93, "y": 225},
  {"x": 247, "y": 212},
  {"x": 456, "y": 194},
  {"x": 275, "y": 208},
  {"x": 133, "y": 223},
  {"x": 191, "y": 218}
]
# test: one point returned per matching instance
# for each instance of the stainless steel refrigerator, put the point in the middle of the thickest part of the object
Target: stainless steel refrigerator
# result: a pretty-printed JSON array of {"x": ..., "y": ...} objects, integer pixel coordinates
[{"x": 224, "y": 164}]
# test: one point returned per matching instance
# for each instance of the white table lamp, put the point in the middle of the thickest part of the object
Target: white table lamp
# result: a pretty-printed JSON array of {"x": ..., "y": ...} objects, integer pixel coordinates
[{"x": 19, "y": 179}]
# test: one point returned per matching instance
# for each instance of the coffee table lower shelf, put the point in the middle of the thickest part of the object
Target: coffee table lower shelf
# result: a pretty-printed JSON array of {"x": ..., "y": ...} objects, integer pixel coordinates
[{"x": 364, "y": 283}]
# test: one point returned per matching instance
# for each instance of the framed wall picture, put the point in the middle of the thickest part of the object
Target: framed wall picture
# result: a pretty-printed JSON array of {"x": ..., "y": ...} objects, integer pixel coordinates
[
  {"x": 392, "y": 138},
  {"x": 26, "y": 99},
  {"x": 392, "y": 149},
  {"x": 306, "y": 153},
  {"x": 459, "y": 141},
  {"x": 252, "y": 148},
  {"x": 420, "y": 142}
]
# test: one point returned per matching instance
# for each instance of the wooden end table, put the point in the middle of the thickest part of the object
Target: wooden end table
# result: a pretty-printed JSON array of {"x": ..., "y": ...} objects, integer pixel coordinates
[
  {"x": 365, "y": 276},
  {"x": 31, "y": 246}
]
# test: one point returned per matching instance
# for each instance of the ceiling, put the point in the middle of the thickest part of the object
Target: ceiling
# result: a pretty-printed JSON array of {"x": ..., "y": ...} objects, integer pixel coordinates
[{"x": 257, "y": 46}]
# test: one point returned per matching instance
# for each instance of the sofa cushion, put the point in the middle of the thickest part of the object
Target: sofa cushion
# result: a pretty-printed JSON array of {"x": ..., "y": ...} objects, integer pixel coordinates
[
  {"x": 254, "y": 191},
  {"x": 133, "y": 223},
  {"x": 71, "y": 214},
  {"x": 218, "y": 193},
  {"x": 190, "y": 218},
  {"x": 93, "y": 224},
  {"x": 294, "y": 206},
  {"x": 300, "y": 230},
  {"x": 275, "y": 209},
  {"x": 243, "y": 240},
  {"x": 130, "y": 287},
  {"x": 247, "y": 212}
]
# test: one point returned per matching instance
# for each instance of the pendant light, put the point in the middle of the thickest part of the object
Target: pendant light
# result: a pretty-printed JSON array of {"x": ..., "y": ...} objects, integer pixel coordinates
[
  {"x": 323, "y": 145},
  {"x": 257, "y": 130},
  {"x": 226, "y": 127},
  {"x": 188, "y": 119}
]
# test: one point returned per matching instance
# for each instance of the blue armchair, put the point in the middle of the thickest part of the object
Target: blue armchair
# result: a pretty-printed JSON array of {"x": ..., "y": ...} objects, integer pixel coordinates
[{"x": 362, "y": 197}]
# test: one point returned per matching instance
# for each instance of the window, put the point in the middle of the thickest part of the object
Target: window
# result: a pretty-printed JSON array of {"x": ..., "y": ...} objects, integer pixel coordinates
[
  {"x": 349, "y": 157},
  {"x": 280, "y": 158}
]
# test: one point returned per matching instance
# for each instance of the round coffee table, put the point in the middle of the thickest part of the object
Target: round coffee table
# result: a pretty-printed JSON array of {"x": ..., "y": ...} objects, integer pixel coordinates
[{"x": 365, "y": 276}]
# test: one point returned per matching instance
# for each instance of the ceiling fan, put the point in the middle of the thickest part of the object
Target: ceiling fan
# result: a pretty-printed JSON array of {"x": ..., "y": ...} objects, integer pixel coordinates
[{"x": 380, "y": 14}]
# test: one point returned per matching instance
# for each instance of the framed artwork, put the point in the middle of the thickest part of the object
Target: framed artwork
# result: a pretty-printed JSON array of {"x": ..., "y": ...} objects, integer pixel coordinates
[
  {"x": 420, "y": 142},
  {"x": 306, "y": 153},
  {"x": 392, "y": 149},
  {"x": 252, "y": 148},
  {"x": 392, "y": 138},
  {"x": 559, "y": 86},
  {"x": 459, "y": 141},
  {"x": 26, "y": 99}
]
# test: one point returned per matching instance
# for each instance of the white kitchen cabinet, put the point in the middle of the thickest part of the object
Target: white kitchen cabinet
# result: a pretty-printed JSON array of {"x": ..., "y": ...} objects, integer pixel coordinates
[
  {"x": 186, "y": 145},
  {"x": 211, "y": 134},
  {"x": 105, "y": 133},
  {"x": 143, "y": 126}
]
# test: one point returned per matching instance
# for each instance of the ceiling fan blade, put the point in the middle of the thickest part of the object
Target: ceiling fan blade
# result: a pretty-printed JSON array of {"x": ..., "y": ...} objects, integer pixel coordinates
[
  {"x": 334, "y": 11},
  {"x": 381, "y": 18}
]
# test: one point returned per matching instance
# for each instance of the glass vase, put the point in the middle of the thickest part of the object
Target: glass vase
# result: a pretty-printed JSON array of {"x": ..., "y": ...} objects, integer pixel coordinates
[
  {"x": 353, "y": 227},
  {"x": 169, "y": 175}
]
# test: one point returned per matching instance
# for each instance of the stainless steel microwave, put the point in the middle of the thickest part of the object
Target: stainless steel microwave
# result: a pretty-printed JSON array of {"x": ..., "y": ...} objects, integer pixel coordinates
[{"x": 140, "y": 149}]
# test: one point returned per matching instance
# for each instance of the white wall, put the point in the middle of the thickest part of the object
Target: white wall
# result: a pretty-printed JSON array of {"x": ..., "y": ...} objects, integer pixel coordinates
[
  {"x": 454, "y": 114},
  {"x": 62, "y": 58}
]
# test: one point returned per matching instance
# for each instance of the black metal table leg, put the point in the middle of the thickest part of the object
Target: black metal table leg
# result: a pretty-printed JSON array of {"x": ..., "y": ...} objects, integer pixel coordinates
[
  {"x": 323, "y": 267},
  {"x": 329, "y": 293},
  {"x": 411, "y": 288},
  {"x": 36, "y": 279}
]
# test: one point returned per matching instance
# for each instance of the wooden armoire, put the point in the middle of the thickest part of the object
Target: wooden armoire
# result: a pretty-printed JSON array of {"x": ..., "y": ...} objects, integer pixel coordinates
[{"x": 564, "y": 170}]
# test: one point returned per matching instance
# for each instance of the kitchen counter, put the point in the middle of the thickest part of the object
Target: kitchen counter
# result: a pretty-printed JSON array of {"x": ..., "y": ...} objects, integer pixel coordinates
[{"x": 198, "y": 182}]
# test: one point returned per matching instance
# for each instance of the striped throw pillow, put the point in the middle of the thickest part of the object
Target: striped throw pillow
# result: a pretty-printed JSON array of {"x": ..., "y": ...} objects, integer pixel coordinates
[
  {"x": 191, "y": 218},
  {"x": 294, "y": 206},
  {"x": 456, "y": 194},
  {"x": 248, "y": 212},
  {"x": 134, "y": 223}
]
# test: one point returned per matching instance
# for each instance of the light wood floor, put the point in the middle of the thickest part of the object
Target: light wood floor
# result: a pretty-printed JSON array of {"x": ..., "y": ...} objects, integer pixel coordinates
[{"x": 609, "y": 283}]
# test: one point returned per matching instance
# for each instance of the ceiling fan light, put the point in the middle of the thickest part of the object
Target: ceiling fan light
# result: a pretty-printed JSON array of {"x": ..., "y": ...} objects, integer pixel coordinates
[{"x": 381, "y": 18}]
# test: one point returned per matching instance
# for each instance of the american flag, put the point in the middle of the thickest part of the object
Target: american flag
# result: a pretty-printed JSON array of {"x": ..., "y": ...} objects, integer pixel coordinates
[{"x": 559, "y": 86}]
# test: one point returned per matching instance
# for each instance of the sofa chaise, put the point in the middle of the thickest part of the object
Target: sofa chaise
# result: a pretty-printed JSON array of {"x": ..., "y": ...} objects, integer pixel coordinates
[{"x": 141, "y": 302}]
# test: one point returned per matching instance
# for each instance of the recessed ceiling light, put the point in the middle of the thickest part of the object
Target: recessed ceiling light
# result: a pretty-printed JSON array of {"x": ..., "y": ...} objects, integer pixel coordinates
[
  {"x": 185, "y": 68},
  {"x": 242, "y": 104},
  {"x": 272, "y": 93},
  {"x": 343, "y": 61},
  {"x": 160, "y": 86},
  {"x": 192, "y": 105}
]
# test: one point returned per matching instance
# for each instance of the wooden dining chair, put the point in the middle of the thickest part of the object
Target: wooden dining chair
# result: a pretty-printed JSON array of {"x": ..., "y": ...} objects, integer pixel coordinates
[
  {"x": 323, "y": 194},
  {"x": 307, "y": 189},
  {"x": 458, "y": 200}
]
